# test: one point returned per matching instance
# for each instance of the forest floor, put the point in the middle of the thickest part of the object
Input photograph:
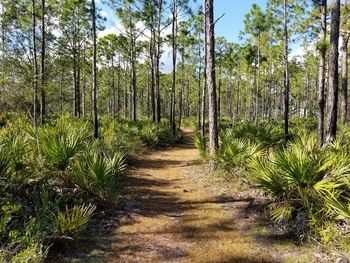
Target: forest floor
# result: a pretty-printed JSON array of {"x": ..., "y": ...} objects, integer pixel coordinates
[{"x": 175, "y": 212}]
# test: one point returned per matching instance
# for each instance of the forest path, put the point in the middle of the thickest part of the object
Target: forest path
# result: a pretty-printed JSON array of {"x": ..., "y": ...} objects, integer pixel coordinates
[{"x": 173, "y": 219}]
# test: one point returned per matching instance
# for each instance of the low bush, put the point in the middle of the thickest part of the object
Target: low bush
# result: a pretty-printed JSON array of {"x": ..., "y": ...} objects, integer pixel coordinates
[
  {"x": 308, "y": 185},
  {"x": 201, "y": 144},
  {"x": 234, "y": 153},
  {"x": 48, "y": 178},
  {"x": 302, "y": 178},
  {"x": 99, "y": 175}
]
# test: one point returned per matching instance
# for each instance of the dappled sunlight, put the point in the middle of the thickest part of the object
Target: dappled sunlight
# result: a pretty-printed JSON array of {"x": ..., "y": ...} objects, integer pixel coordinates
[{"x": 174, "y": 220}]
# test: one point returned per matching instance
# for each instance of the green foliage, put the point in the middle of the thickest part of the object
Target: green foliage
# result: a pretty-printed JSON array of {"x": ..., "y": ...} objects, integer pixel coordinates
[
  {"x": 190, "y": 122},
  {"x": 35, "y": 253},
  {"x": 16, "y": 146},
  {"x": 264, "y": 134},
  {"x": 235, "y": 153},
  {"x": 99, "y": 175},
  {"x": 130, "y": 137},
  {"x": 37, "y": 208},
  {"x": 303, "y": 177},
  {"x": 61, "y": 144},
  {"x": 201, "y": 144},
  {"x": 4, "y": 160},
  {"x": 300, "y": 177},
  {"x": 73, "y": 220}
]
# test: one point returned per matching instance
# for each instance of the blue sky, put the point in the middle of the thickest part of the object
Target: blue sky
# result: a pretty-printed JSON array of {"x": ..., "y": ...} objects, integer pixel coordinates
[
  {"x": 232, "y": 23},
  {"x": 228, "y": 26}
]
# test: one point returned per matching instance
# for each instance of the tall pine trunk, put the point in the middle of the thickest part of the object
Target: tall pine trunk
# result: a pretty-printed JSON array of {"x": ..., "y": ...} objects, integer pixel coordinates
[
  {"x": 321, "y": 75},
  {"x": 94, "y": 68},
  {"x": 204, "y": 88},
  {"x": 114, "y": 101},
  {"x": 219, "y": 93},
  {"x": 344, "y": 77},
  {"x": 210, "y": 50},
  {"x": 182, "y": 89},
  {"x": 118, "y": 90},
  {"x": 43, "y": 73},
  {"x": 173, "y": 83},
  {"x": 152, "y": 93},
  {"x": 286, "y": 70},
  {"x": 126, "y": 90},
  {"x": 133, "y": 78},
  {"x": 35, "y": 76},
  {"x": 199, "y": 85},
  {"x": 157, "y": 66},
  {"x": 332, "y": 96}
]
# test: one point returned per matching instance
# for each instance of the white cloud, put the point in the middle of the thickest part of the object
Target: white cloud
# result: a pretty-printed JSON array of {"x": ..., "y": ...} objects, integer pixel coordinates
[
  {"x": 104, "y": 14},
  {"x": 299, "y": 52}
]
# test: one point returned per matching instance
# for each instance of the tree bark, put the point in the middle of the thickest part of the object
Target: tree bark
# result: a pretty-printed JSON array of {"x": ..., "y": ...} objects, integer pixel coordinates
[
  {"x": 157, "y": 68},
  {"x": 344, "y": 77},
  {"x": 210, "y": 50},
  {"x": 204, "y": 89},
  {"x": 126, "y": 90},
  {"x": 257, "y": 85},
  {"x": 219, "y": 93},
  {"x": 332, "y": 96},
  {"x": 118, "y": 90},
  {"x": 133, "y": 78},
  {"x": 83, "y": 97},
  {"x": 94, "y": 68},
  {"x": 182, "y": 88},
  {"x": 151, "y": 54},
  {"x": 321, "y": 75},
  {"x": 199, "y": 84},
  {"x": 43, "y": 72},
  {"x": 35, "y": 77},
  {"x": 114, "y": 102},
  {"x": 173, "y": 84},
  {"x": 286, "y": 70}
]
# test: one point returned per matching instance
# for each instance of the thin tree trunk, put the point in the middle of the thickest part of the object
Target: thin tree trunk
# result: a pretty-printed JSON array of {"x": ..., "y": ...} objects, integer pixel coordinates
[
  {"x": 114, "y": 107},
  {"x": 61, "y": 90},
  {"x": 344, "y": 77},
  {"x": 238, "y": 106},
  {"x": 204, "y": 89},
  {"x": 321, "y": 75},
  {"x": 188, "y": 99},
  {"x": 35, "y": 76},
  {"x": 173, "y": 84},
  {"x": 219, "y": 93},
  {"x": 126, "y": 91},
  {"x": 158, "y": 40},
  {"x": 118, "y": 90},
  {"x": 210, "y": 50},
  {"x": 286, "y": 70},
  {"x": 83, "y": 97},
  {"x": 255, "y": 94},
  {"x": 332, "y": 96},
  {"x": 133, "y": 78},
  {"x": 182, "y": 89},
  {"x": 257, "y": 86},
  {"x": 148, "y": 94},
  {"x": 199, "y": 85},
  {"x": 151, "y": 53},
  {"x": 94, "y": 68},
  {"x": 43, "y": 73}
]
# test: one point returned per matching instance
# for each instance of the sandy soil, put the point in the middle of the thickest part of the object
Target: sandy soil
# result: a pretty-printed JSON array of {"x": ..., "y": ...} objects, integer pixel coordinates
[
  {"x": 172, "y": 213},
  {"x": 175, "y": 219}
]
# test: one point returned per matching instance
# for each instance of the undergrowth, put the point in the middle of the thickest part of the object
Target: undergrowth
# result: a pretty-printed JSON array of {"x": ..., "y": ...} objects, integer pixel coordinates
[
  {"x": 308, "y": 185},
  {"x": 53, "y": 182}
]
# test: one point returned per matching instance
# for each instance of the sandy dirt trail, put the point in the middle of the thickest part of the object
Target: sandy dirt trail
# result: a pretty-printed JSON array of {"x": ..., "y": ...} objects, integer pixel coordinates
[{"x": 173, "y": 219}]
